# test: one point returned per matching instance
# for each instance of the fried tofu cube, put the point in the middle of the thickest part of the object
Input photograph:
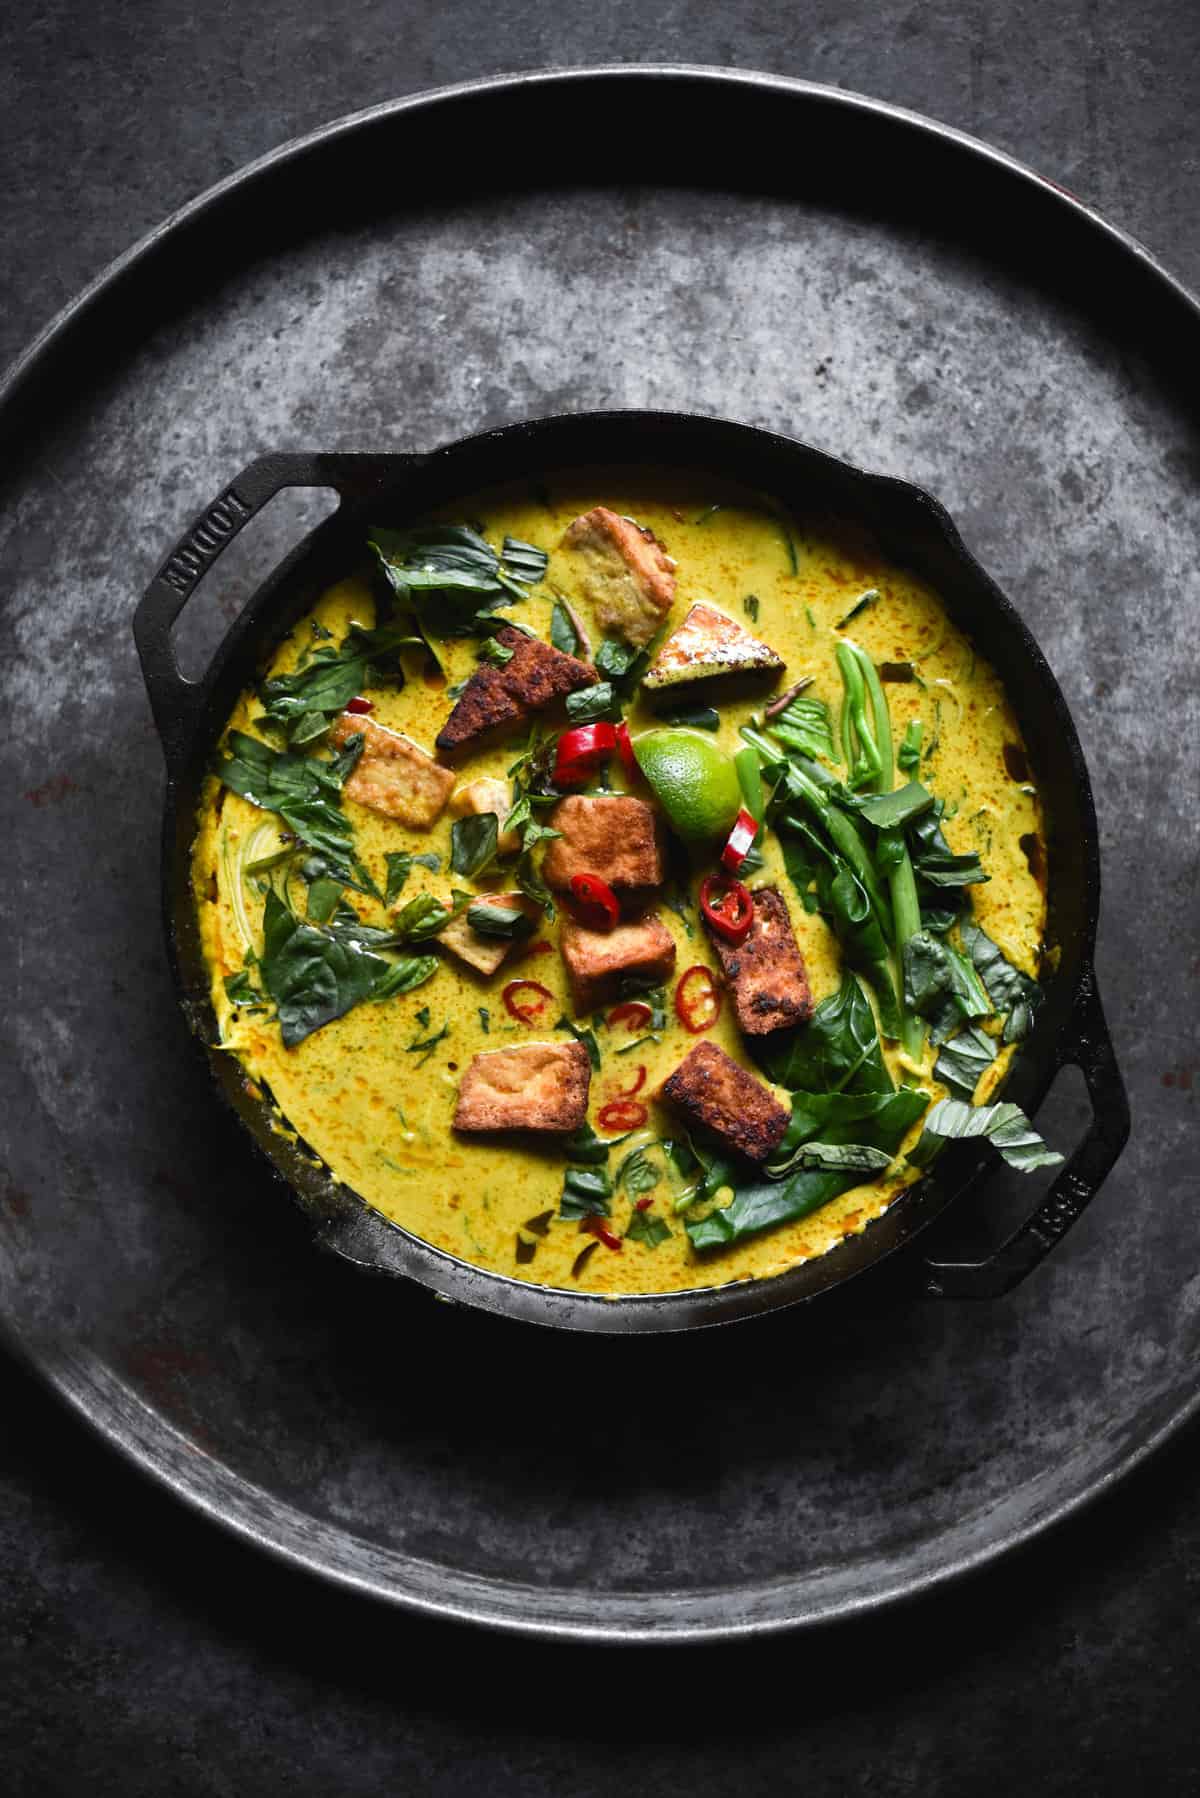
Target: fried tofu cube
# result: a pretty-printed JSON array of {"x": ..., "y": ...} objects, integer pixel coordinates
[
  {"x": 484, "y": 953},
  {"x": 628, "y": 577},
  {"x": 393, "y": 775},
  {"x": 708, "y": 644},
  {"x": 599, "y": 962},
  {"x": 714, "y": 1094},
  {"x": 489, "y": 794},
  {"x": 611, "y": 835},
  {"x": 534, "y": 677},
  {"x": 765, "y": 971},
  {"x": 536, "y": 1086}
]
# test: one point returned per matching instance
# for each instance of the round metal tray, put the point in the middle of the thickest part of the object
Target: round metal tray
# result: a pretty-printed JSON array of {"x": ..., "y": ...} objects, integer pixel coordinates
[{"x": 791, "y": 255}]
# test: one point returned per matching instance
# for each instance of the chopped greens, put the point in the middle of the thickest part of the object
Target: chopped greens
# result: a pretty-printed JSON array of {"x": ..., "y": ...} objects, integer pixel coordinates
[{"x": 587, "y": 1192}]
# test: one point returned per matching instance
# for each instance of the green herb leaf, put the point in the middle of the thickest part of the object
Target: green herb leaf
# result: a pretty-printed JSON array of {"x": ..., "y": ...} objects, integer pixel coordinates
[
  {"x": 637, "y": 1173},
  {"x": 405, "y": 975},
  {"x": 1005, "y": 1126},
  {"x": 585, "y": 1146},
  {"x": 750, "y": 607},
  {"x": 804, "y": 726},
  {"x": 563, "y": 634},
  {"x": 869, "y": 598},
  {"x": 964, "y": 1060},
  {"x": 473, "y": 842},
  {"x": 485, "y": 1019},
  {"x": 1010, "y": 990},
  {"x": 311, "y": 974},
  {"x": 586, "y": 1037},
  {"x": 241, "y": 994},
  {"x": 700, "y": 717},
  {"x": 424, "y": 1046},
  {"x": 941, "y": 985},
  {"x": 887, "y": 810},
  {"x": 498, "y": 654},
  {"x": 646, "y": 1227},
  {"x": 875, "y": 1120},
  {"x": 587, "y": 704},
  {"x": 303, "y": 790},
  {"x": 838, "y": 1049},
  {"x": 587, "y": 1192},
  {"x": 324, "y": 897},
  {"x": 490, "y": 917}
]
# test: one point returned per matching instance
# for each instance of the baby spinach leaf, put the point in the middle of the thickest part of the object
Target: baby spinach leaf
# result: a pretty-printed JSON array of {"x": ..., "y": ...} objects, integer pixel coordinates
[
  {"x": 863, "y": 946},
  {"x": 1010, "y": 990},
  {"x": 900, "y": 806},
  {"x": 877, "y": 1121},
  {"x": 311, "y": 975},
  {"x": 964, "y": 1060},
  {"x": 441, "y": 571},
  {"x": 934, "y": 862},
  {"x": 1004, "y": 1125},
  {"x": 941, "y": 985},
  {"x": 836, "y": 1051}
]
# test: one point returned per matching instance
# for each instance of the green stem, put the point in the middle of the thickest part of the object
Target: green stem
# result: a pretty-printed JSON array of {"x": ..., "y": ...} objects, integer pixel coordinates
[
  {"x": 885, "y": 779},
  {"x": 868, "y": 766}
]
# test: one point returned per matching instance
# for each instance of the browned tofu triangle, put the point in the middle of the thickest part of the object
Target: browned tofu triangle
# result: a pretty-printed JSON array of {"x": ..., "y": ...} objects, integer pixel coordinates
[
  {"x": 709, "y": 643},
  {"x": 535, "y": 676}
]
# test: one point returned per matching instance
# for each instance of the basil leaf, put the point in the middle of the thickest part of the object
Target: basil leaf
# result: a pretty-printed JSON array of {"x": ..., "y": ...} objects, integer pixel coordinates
[
  {"x": 324, "y": 897},
  {"x": 473, "y": 842},
  {"x": 585, "y": 1146},
  {"x": 241, "y": 994},
  {"x": 406, "y": 975},
  {"x": 700, "y": 717},
  {"x": 645, "y": 1227},
  {"x": 846, "y": 1157},
  {"x": 587, "y": 704},
  {"x": 586, "y": 1192},
  {"x": 804, "y": 726},
  {"x": 586, "y": 1037},
  {"x": 1004, "y": 1125},
  {"x": 303, "y": 790},
  {"x": 563, "y": 634},
  {"x": 490, "y": 918},
  {"x": 637, "y": 1174}
]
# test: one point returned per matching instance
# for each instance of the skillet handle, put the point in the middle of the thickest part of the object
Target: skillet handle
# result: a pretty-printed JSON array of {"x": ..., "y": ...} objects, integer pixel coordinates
[
  {"x": 174, "y": 700},
  {"x": 1086, "y": 1043}
]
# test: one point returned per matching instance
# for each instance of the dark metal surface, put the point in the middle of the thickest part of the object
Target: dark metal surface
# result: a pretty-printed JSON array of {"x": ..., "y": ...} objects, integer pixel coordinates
[
  {"x": 915, "y": 532},
  {"x": 1036, "y": 375}
]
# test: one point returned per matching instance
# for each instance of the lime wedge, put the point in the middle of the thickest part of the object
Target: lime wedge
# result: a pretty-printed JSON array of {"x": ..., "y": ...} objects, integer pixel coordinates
[{"x": 695, "y": 782}]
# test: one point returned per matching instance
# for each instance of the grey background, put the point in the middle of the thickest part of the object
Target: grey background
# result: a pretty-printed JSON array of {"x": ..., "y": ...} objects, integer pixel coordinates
[{"x": 143, "y": 1653}]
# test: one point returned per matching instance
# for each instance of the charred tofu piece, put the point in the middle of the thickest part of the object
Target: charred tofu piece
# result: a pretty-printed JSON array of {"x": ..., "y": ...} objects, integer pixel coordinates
[
  {"x": 766, "y": 971},
  {"x": 611, "y": 835},
  {"x": 706, "y": 645},
  {"x": 484, "y": 953},
  {"x": 534, "y": 677},
  {"x": 629, "y": 578},
  {"x": 393, "y": 775},
  {"x": 600, "y": 961},
  {"x": 489, "y": 794},
  {"x": 536, "y": 1086},
  {"x": 713, "y": 1093}
]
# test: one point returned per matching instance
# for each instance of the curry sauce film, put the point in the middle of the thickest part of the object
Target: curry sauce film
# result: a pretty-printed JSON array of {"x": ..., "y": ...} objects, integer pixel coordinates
[{"x": 373, "y": 1092}]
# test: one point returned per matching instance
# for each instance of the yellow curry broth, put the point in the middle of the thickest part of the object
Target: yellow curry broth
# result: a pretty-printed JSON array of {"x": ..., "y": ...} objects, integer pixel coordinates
[{"x": 378, "y": 1112}]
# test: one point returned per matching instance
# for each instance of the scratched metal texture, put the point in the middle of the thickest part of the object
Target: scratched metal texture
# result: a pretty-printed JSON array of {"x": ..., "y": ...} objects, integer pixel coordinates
[{"x": 148, "y": 1265}]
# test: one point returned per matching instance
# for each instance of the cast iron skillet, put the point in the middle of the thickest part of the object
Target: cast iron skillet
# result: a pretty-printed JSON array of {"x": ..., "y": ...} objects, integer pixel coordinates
[{"x": 913, "y": 530}]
